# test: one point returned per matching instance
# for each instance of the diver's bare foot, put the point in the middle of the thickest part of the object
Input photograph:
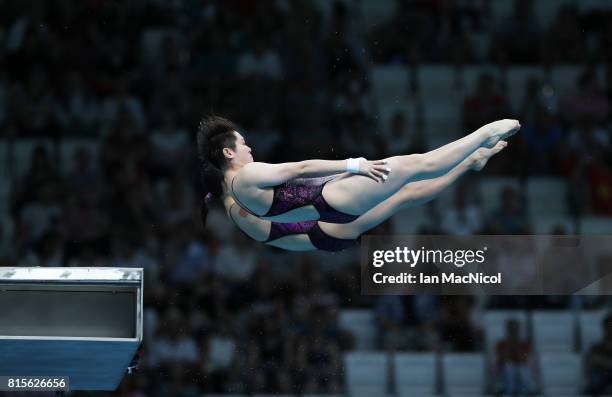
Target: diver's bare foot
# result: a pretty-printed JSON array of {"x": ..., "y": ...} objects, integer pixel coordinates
[
  {"x": 498, "y": 130},
  {"x": 479, "y": 158}
]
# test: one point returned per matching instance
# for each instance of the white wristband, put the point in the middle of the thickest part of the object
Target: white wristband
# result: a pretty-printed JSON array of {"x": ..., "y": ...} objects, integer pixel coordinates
[{"x": 352, "y": 165}]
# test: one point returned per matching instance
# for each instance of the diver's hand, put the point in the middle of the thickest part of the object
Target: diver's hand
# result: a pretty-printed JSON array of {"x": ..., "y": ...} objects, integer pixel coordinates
[{"x": 376, "y": 169}]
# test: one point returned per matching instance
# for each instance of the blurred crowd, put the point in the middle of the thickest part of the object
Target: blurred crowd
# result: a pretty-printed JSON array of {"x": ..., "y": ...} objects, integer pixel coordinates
[{"x": 224, "y": 314}]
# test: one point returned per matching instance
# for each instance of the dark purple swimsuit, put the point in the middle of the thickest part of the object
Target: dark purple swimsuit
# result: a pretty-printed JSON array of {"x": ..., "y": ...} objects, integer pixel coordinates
[
  {"x": 321, "y": 240},
  {"x": 299, "y": 192}
]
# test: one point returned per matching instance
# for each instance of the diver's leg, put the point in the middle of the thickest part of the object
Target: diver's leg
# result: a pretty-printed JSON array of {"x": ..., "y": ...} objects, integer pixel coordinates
[
  {"x": 358, "y": 194},
  {"x": 412, "y": 194}
]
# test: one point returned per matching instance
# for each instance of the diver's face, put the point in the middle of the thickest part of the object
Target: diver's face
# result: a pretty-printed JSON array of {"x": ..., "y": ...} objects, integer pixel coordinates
[{"x": 242, "y": 154}]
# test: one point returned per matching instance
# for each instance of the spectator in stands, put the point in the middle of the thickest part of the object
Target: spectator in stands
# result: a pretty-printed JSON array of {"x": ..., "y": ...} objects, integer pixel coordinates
[
  {"x": 77, "y": 212},
  {"x": 586, "y": 139},
  {"x": 180, "y": 382},
  {"x": 599, "y": 176},
  {"x": 37, "y": 109},
  {"x": 564, "y": 42},
  {"x": 172, "y": 343},
  {"x": 177, "y": 201},
  {"x": 123, "y": 145},
  {"x": 518, "y": 37},
  {"x": 457, "y": 332},
  {"x": 514, "y": 366},
  {"x": 41, "y": 172},
  {"x": 84, "y": 178},
  {"x": 554, "y": 265},
  {"x": 39, "y": 216},
  {"x": 321, "y": 357},
  {"x": 464, "y": 217},
  {"x": 5, "y": 93},
  {"x": 586, "y": 102},
  {"x": 511, "y": 215},
  {"x": 486, "y": 103},
  {"x": 123, "y": 104},
  {"x": 7, "y": 251},
  {"x": 219, "y": 356},
  {"x": 355, "y": 137},
  {"x": 170, "y": 147},
  {"x": 48, "y": 251},
  {"x": 536, "y": 96},
  {"x": 236, "y": 260},
  {"x": 261, "y": 63},
  {"x": 390, "y": 318},
  {"x": 126, "y": 252},
  {"x": 517, "y": 258},
  {"x": 599, "y": 362},
  {"x": 542, "y": 139},
  {"x": 80, "y": 113},
  {"x": 401, "y": 138}
]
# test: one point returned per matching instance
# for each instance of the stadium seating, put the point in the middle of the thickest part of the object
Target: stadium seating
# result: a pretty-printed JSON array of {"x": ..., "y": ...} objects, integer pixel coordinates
[
  {"x": 553, "y": 331},
  {"x": 23, "y": 153},
  {"x": 540, "y": 190},
  {"x": 70, "y": 146},
  {"x": 410, "y": 220},
  {"x": 366, "y": 373},
  {"x": 415, "y": 373},
  {"x": 516, "y": 82},
  {"x": 545, "y": 224},
  {"x": 561, "y": 374},
  {"x": 390, "y": 86},
  {"x": 564, "y": 77},
  {"x": 464, "y": 373},
  {"x": 361, "y": 323},
  {"x": 591, "y": 329},
  {"x": 595, "y": 225},
  {"x": 376, "y": 13},
  {"x": 490, "y": 190}
]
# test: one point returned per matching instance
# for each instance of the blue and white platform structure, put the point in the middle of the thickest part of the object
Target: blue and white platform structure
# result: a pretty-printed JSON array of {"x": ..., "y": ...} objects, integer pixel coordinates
[{"x": 83, "y": 323}]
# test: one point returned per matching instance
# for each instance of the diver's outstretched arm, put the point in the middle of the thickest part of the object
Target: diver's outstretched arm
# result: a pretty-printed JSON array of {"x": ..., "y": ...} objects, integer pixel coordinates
[{"x": 265, "y": 174}]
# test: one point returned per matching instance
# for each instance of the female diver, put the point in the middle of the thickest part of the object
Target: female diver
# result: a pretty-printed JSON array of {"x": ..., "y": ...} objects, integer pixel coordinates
[{"x": 298, "y": 216}]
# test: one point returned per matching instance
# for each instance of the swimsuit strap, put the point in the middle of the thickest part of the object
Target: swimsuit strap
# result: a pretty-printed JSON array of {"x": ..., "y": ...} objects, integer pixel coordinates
[{"x": 244, "y": 207}]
